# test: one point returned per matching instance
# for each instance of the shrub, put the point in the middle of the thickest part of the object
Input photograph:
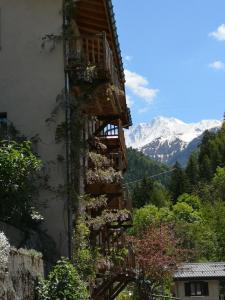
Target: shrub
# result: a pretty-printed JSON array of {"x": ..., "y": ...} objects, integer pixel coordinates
[
  {"x": 18, "y": 174},
  {"x": 63, "y": 282}
]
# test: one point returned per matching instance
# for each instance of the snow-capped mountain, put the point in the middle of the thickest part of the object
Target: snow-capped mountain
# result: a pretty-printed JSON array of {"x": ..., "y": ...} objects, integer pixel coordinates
[{"x": 165, "y": 139}]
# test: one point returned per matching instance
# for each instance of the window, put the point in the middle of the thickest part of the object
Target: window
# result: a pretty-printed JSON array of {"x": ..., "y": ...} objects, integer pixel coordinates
[
  {"x": 196, "y": 288},
  {"x": 3, "y": 124}
]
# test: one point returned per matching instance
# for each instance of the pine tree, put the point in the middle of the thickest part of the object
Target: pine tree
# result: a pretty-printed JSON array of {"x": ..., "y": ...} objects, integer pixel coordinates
[
  {"x": 179, "y": 182},
  {"x": 192, "y": 170}
]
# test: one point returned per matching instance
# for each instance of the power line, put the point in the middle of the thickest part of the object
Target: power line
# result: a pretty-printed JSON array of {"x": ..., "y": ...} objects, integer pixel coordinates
[{"x": 152, "y": 176}]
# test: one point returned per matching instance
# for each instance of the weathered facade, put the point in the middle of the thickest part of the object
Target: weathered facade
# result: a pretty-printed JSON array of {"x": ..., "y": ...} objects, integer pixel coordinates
[
  {"x": 31, "y": 78},
  {"x": 62, "y": 85}
]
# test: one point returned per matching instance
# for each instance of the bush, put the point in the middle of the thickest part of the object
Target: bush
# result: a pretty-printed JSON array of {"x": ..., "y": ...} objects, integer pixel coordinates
[
  {"x": 63, "y": 282},
  {"x": 18, "y": 174}
]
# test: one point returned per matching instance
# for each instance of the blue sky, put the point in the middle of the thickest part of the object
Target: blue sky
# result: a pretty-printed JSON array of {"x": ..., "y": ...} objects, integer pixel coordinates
[{"x": 174, "y": 56}]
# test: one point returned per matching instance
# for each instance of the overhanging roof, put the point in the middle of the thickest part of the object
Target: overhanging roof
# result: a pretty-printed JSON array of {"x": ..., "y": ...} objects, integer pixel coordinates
[
  {"x": 200, "y": 270},
  {"x": 94, "y": 16}
]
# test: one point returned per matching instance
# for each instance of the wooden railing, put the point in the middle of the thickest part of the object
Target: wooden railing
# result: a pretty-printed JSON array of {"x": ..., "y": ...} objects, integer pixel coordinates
[
  {"x": 92, "y": 52},
  {"x": 112, "y": 131}
]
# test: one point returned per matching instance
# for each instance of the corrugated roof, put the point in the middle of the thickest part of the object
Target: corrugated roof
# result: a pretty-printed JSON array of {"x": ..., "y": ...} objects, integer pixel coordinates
[{"x": 200, "y": 270}]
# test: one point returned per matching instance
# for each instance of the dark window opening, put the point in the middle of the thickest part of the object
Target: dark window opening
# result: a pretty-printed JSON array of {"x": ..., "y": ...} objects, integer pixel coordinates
[
  {"x": 196, "y": 288},
  {"x": 3, "y": 124},
  {"x": 3, "y": 117}
]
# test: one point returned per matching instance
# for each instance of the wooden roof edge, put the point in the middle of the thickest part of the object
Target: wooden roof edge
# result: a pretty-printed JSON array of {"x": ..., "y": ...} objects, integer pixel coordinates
[{"x": 116, "y": 38}]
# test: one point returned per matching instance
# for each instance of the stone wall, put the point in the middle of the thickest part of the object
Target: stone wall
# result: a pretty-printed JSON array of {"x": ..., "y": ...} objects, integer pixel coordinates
[{"x": 18, "y": 281}]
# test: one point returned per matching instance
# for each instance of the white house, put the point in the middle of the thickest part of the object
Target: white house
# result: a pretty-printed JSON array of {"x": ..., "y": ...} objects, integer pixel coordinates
[{"x": 204, "y": 280}]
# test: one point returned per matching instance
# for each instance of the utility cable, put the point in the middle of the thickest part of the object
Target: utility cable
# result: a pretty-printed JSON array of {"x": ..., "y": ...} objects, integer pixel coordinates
[{"x": 152, "y": 176}]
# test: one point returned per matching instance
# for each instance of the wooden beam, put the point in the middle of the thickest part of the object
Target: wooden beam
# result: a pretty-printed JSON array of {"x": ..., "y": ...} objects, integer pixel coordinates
[{"x": 118, "y": 289}]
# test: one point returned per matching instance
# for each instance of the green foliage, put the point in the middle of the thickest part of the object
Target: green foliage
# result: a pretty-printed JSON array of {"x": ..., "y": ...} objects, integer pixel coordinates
[
  {"x": 84, "y": 256},
  {"x": 218, "y": 184},
  {"x": 192, "y": 170},
  {"x": 18, "y": 176},
  {"x": 188, "y": 221},
  {"x": 192, "y": 200},
  {"x": 201, "y": 167},
  {"x": 214, "y": 215},
  {"x": 117, "y": 255},
  {"x": 179, "y": 183},
  {"x": 148, "y": 191},
  {"x": 63, "y": 282}
]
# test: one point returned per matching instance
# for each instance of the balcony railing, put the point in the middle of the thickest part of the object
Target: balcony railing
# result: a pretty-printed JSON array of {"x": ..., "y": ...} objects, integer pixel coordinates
[
  {"x": 115, "y": 133},
  {"x": 91, "y": 57}
]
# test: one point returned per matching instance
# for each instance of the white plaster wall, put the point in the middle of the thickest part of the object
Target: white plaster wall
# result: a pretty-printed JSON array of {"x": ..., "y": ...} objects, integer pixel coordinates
[
  {"x": 30, "y": 80},
  {"x": 213, "y": 291}
]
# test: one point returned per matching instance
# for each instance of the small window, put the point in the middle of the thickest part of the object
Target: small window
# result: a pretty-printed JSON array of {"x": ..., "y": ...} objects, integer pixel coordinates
[
  {"x": 3, "y": 124},
  {"x": 196, "y": 288},
  {"x": 3, "y": 118}
]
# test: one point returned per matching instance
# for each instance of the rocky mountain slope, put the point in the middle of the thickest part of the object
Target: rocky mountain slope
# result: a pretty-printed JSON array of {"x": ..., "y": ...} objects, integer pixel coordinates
[{"x": 168, "y": 139}]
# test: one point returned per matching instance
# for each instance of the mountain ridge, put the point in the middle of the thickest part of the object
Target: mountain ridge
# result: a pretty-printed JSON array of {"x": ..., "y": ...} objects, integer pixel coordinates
[{"x": 165, "y": 139}]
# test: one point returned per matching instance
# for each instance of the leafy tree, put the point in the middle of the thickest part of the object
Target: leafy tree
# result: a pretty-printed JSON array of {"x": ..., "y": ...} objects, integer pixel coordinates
[
  {"x": 157, "y": 253},
  {"x": 63, "y": 282},
  {"x": 150, "y": 192},
  {"x": 192, "y": 200},
  {"x": 218, "y": 184},
  {"x": 144, "y": 217},
  {"x": 18, "y": 175},
  {"x": 214, "y": 215}
]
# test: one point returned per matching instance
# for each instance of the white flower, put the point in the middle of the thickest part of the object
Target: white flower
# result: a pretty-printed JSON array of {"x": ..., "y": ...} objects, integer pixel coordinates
[{"x": 4, "y": 251}]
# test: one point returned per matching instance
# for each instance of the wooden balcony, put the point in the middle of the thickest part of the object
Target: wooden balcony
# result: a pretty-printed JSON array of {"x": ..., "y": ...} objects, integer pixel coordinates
[
  {"x": 103, "y": 189},
  {"x": 90, "y": 61},
  {"x": 117, "y": 161},
  {"x": 112, "y": 135},
  {"x": 121, "y": 202},
  {"x": 99, "y": 132}
]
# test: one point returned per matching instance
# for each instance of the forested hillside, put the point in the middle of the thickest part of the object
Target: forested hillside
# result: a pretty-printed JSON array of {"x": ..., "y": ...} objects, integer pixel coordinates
[
  {"x": 140, "y": 166},
  {"x": 146, "y": 179}
]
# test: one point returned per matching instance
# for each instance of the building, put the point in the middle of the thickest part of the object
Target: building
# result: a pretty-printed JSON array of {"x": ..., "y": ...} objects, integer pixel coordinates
[
  {"x": 62, "y": 85},
  {"x": 204, "y": 280}
]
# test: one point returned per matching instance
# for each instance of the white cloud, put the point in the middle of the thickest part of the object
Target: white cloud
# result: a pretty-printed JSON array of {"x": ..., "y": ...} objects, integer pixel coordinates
[
  {"x": 139, "y": 85},
  {"x": 130, "y": 102},
  {"x": 143, "y": 110},
  {"x": 217, "y": 65},
  {"x": 219, "y": 34}
]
